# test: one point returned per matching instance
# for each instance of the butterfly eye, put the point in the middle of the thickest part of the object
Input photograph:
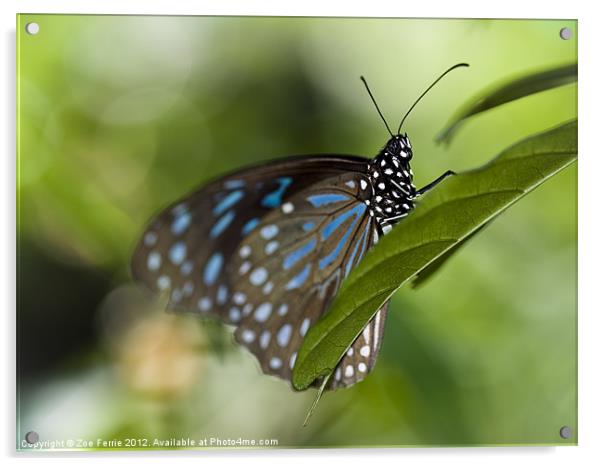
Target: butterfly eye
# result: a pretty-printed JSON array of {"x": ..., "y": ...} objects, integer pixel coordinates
[{"x": 393, "y": 146}]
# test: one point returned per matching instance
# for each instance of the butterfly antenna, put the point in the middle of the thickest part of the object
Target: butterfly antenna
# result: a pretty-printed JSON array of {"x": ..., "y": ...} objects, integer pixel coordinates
[
  {"x": 376, "y": 105},
  {"x": 428, "y": 89}
]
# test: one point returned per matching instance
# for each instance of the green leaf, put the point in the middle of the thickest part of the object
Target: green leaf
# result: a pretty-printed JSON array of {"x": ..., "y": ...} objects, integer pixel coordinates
[
  {"x": 508, "y": 91},
  {"x": 442, "y": 220},
  {"x": 426, "y": 273}
]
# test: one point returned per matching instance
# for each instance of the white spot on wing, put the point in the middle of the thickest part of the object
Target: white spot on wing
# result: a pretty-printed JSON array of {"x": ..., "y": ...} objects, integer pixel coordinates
[
  {"x": 246, "y": 310},
  {"x": 248, "y": 336},
  {"x": 268, "y": 287},
  {"x": 284, "y": 335},
  {"x": 258, "y": 276},
  {"x": 239, "y": 298},
  {"x": 376, "y": 329},
  {"x": 153, "y": 261},
  {"x": 271, "y": 247},
  {"x": 263, "y": 311},
  {"x": 204, "y": 304},
  {"x": 244, "y": 267},
  {"x": 245, "y": 251},
  {"x": 304, "y": 326},
  {"x": 235, "y": 314},
  {"x": 264, "y": 339},
  {"x": 150, "y": 239},
  {"x": 269, "y": 231},
  {"x": 177, "y": 253},
  {"x": 275, "y": 363},
  {"x": 163, "y": 282}
]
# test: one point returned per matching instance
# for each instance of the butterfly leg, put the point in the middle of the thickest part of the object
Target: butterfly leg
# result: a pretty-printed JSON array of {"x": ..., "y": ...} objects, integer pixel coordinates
[{"x": 432, "y": 184}]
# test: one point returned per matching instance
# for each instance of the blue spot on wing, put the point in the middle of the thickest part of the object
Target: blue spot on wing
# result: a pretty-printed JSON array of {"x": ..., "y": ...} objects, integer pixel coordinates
[
  {"x": 181, "y": 220},
  {"x": 298, "y": 254},
  {"x": 307, "y": 226},
  {"x": 299, "y": 279},
  {"x": 329, "y": 259},
  {"x": 365, "y": 245},
  {"x": 228, "y": 202},
  {"x": 222, "y": 224},
  {"x": 177, "y": 253},
  {"x": 330, "y": 228},
  {"x": 274, "y": 199},
  {"x": 250, "y": 226},
  {"x": 318, "y": 200},
  {"x": 234, "y": 184},
  {"x": 222, "y": 294},
  {"x": 213, "y": 268},
  {"x": 355, "y": 248}
]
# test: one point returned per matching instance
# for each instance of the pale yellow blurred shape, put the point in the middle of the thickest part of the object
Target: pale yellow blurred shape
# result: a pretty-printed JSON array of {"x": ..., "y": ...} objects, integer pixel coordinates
[{"x": 160, "y": 356}]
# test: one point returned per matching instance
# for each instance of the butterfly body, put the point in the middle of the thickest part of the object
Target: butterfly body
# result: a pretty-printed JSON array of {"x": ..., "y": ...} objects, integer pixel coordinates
[{"x": 391, "y": 178}]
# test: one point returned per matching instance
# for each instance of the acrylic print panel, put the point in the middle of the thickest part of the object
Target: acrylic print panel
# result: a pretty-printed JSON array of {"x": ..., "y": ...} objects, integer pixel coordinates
[{"x": 184, "y": 281}]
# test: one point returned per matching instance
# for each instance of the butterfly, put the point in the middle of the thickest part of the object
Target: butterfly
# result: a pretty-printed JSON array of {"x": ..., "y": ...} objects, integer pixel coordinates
[{"x": 266, "y": 249}]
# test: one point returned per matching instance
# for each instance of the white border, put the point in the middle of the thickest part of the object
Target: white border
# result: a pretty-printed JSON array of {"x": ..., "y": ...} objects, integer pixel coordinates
[
  {"x": 423, "y": 8},
  {"x": 590, "y": 310}
]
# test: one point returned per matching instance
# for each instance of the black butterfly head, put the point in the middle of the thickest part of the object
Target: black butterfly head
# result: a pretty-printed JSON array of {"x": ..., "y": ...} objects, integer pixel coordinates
[{"x": 399, "y": 147}]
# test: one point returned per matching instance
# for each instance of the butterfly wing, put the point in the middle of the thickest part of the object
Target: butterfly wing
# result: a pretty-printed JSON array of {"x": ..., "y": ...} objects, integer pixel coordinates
[
  {"x": 184, "y": 247},
  {"x": 362, "y": 354},
  {"x": 287, "y": 272},
  {"x": 265, "y": 249}
]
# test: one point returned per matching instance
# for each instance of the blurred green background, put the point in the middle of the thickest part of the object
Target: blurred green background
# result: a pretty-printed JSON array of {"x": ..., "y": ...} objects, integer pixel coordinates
[{"x": 119, "y": 116}]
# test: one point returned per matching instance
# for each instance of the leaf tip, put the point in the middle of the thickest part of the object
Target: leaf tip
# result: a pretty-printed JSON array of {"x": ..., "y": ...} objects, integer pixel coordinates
[{"x": 316, "y": 400}]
